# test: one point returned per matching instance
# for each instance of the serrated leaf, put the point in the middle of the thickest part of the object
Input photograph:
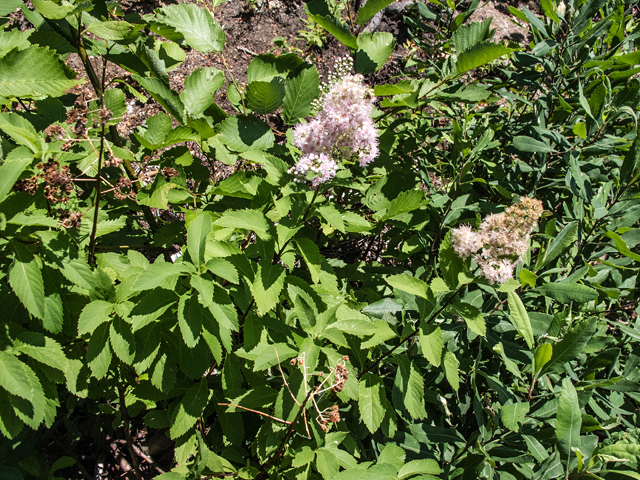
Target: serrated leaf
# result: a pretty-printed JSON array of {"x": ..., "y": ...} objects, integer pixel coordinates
[
  {"x": 301, "y": 90},
  {"x": 472, "y": 316},
  {"x": 481, "y": 54},
  {"x": 369, "y": 9},
  {"x": 425, "y": 466},
  {"x": 513, "y": 415},
  {"x": 370, "y": 401},
  {"x": 568, "y": 418},
  {"x": 570, "y": 346},
  {"x": 250, "y": 220},
  {"x": 54, "y": 11},
  {"x": 165, "y": 97},
  {"x": 312, "y": 257},
  {"x": 405, "y": 202},
  {"x": 123, "y": 342},
  {"x": 265, "y": 97},
  {"x": 26, "y": 281},
  {"x": 373, "y": 51},
  {"x": 190, "y": 318},
  {"x": 197, "y": 26},
  {"x": 99, "y": 351},
  {"x": 470, "y": 34},
  {"x": 520, "y": 318},
  {"x": 190, "y": 408},
  {"x": 34, "y": 72},
  {"x": 21, "y": 131},
  {"x": 528, "y": 144},
  {"x": 156, "y": 274},
  {"x": 20, "y": 381},
  {"x": 410, "y": 386},
  {"x": 568, "y": 292},
  {"x": 115, "y": 30},
  {"x": 450, "y": 364},
  {"x": 200, "y": 88},
  {"x": 267, "y": 285},
  {"x": 431, "y": 343},
  {"x": 197, "y": 232},
  {"x": 9, "y": 6},
  {"x": 409, "y": 284},
  {"x": 242, "y": 133},
  {"x": 451, "y": 265}
]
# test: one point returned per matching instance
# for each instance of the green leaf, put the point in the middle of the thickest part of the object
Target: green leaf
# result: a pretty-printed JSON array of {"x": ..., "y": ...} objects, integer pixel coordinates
[
  {"x": 570, "y": 346},
  {"x": 568, "y": 418},
  {"x": 250, "y": 220},
  {"x": 403, "y": 203},
  {"x": 520, "y": 318},
  {"x": 528, "y": 144},
  {"x": 190, "y": 408},
  {"x": 333, "y": 216},
  {"x": 481, "y": 54},
  {"x": 267, "y": 285},
  {"x": 410, "y": 386},
  {"x": 312, "y": 257},
  {"x": 549, "y": 10},
  {"x": 199, "y": 89},
  {"x": 54, "y": 11},
  {"x": 373, "y": 51},
  {"x": 426, "y": 466},
  {"x": 115, "y": 30},
  {"x": 224, "y": 269},
  {"x": 337, "y": 28},
  {"x": 631, "y": 162},
  {"x": 21, "y": 131},
  {"x": 472, "y": 316},
  {"x": 197, "y": 26},
  {"x": 197, "y": 232},
  {"x": 370, "y": 8},
  {"x": 165, "y": 97},
  {"x": 431, "y": 343},
  {"x": 512, "y": 415},
  {"x": 14, "y": 164},
  {"x": 26, "y": 281},
  {"x": 10, "y": 423},
  {"x": 565, "y": 238},
  {"x": 265, "y": 355},
  {"x": 123, "y": 342},
  {"x": 621, "y": 246},
  {"x": 265, "y": 97},
  {"x": 450, "y": 263},
  {"x": 469, "y": 35},
  {"x": 9, "y": 6},
  {"x": 157, "y": 274},
  {"x": 34, "y": 72},
  {"x": 451, "y": 364},
  {"x": 21, "y": 382},
  {"x": 300, "y": 92},
  {"x": 409, "y": 284},
  {"x": 99, "y": 351},
  {"x": 568, "y": 292},
  {"x": 542, "y": 356},
  {"x": 190, "y": 318},
  {"x": 242, "y": 133},
  {"x": 370, "y": 401}
]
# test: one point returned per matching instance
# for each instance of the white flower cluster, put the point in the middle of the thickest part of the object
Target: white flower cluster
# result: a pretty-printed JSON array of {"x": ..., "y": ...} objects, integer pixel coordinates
[
  {"x": 501, "y": 241},
  {"x": 343, "y": 130},
  {"x": 342, "y": 68}
]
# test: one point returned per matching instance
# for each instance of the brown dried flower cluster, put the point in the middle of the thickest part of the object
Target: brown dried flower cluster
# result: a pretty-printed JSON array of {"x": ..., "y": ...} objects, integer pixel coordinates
[
  {"x": 124, "y": 189},
  {"x": 501, "y": 241},
  {"x": 332, "y": 417},
  {"x": 54, "y": 131},
  {"x": 111, "y": 161},
  {"x": 70, "y": 219},
  {"x": 341, "y": 376},
  {"x": 29, "y": 185},
  {"x": 77, "y": 115},
  {"x": 58, "y": 181},
  {"x": 105, "y": 115},
  {"x": 169, "y": 173}
]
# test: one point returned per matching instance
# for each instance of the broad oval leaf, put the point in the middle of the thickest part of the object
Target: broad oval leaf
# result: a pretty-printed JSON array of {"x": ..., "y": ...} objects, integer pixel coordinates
[{"x": 265, "y": 97}]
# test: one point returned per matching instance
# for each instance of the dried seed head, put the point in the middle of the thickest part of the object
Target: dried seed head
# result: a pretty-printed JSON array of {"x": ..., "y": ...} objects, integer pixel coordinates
[
  {"x": 29, "y": 185},
  {"x": 70, "y": 219}
]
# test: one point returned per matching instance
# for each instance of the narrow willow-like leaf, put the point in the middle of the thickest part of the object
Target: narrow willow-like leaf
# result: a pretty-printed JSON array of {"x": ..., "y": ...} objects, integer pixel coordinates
[
  {"x": 568, "y": 292},
  {"x": 512, "y": 415},
  {"x": 481, "y": 54},
  {"x": 565, "y": 238},
  {"x": 520, "y": 318},
  {"x": 568, "y": 418},
  {"x": 570, "y": 346}
]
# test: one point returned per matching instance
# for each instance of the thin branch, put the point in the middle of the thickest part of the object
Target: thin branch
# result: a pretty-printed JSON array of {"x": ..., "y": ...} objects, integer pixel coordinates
[{"x": 127, "y": 433}]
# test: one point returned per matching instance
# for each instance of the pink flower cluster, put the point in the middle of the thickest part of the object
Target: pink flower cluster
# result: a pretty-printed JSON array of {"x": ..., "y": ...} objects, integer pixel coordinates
[
  {"x": 501, "y": 241},
  {"x": 342, "y": 131}
]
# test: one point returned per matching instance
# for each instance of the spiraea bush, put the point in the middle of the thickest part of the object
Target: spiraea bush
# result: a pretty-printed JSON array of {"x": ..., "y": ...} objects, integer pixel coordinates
[{"x": 484, "y": 323}]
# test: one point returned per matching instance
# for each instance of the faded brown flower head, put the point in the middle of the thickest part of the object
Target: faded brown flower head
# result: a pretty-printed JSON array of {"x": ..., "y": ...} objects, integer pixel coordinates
[
  {"x": 341, "y": 377},
  {"x": 105, "y": 115},
  {"x": 70, "y": 219},
  {"x": 124, "y": 190},
  {"x": 334, "y": 415},
  {"x": 58, "y": 181},
  {"x": 54, "y": 131},
  {"x": 169, "y": 173},
  {"x": 29, "y": 185}
]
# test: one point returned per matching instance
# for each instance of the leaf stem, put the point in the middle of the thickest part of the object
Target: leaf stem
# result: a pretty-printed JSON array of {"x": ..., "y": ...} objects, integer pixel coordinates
[{"x": 127, "y": 433}]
